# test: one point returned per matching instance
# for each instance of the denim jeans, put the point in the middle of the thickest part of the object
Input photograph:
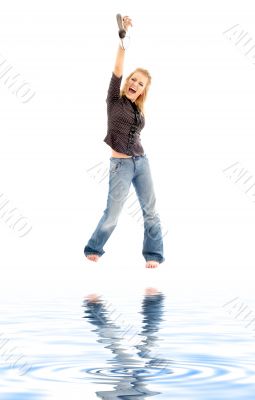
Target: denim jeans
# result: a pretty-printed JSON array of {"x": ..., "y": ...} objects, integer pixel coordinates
[{"x": 123, "y": 172}]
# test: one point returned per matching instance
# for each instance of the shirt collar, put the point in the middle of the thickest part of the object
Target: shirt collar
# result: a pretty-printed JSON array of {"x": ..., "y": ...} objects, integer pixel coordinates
[{"x": 132, "y": 102}]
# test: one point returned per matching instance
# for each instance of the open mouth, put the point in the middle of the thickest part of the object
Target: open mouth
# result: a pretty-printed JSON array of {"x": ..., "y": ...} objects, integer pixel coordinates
[{"x": 131, "y": 90}]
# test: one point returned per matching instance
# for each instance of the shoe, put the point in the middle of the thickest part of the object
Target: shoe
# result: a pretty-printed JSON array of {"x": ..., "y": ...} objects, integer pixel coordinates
[{"x": 122, "y": 31}]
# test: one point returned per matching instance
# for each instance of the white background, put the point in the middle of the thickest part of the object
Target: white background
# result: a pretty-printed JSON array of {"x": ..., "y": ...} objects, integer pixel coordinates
[{"x": 199, "y": 120}]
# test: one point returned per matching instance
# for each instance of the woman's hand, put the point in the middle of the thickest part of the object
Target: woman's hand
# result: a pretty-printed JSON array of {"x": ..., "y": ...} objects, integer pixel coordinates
[
  {"x": 118, "y": 67},
  {"x": 126, "y": 21}
]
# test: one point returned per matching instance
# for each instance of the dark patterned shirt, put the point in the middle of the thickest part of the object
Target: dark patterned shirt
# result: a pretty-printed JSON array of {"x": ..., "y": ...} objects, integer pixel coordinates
[{"x": 125, "y": 121}]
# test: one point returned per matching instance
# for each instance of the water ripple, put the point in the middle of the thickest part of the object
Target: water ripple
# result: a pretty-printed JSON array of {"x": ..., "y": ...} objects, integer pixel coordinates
[{"x": 178, "y": 355}]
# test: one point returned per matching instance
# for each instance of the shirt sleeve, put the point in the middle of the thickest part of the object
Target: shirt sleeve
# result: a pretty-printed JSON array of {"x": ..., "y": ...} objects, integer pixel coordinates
[{"x": 114, "y": 89}]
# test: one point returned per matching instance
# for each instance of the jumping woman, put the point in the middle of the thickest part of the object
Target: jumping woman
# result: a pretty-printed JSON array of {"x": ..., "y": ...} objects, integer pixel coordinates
[{"x": 128, "y": 161}]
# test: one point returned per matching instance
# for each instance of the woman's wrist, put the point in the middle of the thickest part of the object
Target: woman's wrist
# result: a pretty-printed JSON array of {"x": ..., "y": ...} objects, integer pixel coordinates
[
  {"x": 124, "y": 43},
  {"x": 121, "y": 44}
]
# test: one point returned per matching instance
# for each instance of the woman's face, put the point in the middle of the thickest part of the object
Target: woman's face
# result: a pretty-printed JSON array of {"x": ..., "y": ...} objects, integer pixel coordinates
[{"x": 135, "y": 85}]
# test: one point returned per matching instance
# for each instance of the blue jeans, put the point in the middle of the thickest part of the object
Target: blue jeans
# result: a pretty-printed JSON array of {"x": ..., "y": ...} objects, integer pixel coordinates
[{"x": 122, "y": 172}]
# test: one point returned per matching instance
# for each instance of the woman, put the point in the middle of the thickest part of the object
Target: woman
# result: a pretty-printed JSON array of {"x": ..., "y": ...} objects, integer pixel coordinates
[{"x": 128, "y": 163}]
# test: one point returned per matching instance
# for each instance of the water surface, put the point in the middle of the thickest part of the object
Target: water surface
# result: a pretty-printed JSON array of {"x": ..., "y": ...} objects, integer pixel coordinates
[{"x": 134, "y": 347}]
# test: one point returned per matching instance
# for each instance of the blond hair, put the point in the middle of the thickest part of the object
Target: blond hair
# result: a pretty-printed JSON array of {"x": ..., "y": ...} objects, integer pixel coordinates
[{"x": 141, "y": 99}]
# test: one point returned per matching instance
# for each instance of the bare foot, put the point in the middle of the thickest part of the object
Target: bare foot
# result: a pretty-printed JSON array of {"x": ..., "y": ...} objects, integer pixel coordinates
[
  {"x": 152, "y": 264},
  {"x": 93, "y": 298},
  {"x": 92, "y": 257},
  {"x": 151, "y": 291}
]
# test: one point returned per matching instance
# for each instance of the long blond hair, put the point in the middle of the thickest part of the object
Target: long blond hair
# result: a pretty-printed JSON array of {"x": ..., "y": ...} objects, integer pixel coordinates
[{"x": 141, "y": 99}]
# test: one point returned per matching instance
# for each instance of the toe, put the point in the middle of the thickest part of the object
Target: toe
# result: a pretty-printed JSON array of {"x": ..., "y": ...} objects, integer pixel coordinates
[{"x": 152, "y": 264}]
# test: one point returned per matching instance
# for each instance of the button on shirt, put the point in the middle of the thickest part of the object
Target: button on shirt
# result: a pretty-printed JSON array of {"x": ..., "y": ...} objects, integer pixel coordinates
[{"x": 125, "y": 121}]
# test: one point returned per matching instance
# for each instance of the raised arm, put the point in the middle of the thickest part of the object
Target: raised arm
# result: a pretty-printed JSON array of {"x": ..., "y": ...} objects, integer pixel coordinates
[{"x": 119, "y": 62}]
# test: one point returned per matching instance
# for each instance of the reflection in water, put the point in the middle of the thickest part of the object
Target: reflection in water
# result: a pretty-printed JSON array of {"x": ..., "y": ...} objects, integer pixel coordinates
[
  {"x": 152, "y": 311},
  {"x": 208, "y": 355},
  {"x": 130, "y": 374}
]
